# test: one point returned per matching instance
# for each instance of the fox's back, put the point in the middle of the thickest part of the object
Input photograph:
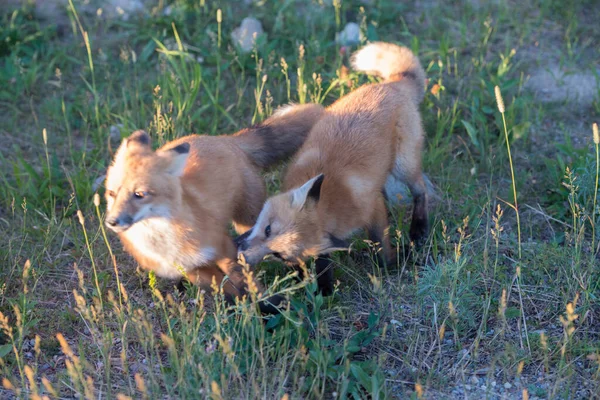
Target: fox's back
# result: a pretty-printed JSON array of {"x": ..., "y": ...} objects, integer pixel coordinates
[
  {"x": 212, "y": 177},
  {"x": 353, "y": 137},
  {"x": 353, "y": 145}
]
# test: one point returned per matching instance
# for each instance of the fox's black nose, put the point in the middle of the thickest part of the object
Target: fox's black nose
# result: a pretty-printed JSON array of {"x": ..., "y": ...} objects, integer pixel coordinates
[
  {"x": 243, "y": 245},
  {"x": 240, "y": 241},
  {"x": 122, "y": 221}
]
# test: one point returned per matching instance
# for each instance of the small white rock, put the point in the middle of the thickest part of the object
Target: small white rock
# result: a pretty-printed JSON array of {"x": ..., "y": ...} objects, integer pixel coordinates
[
  {"x": 115, "y": 131},
  {"x": 124, "y": 8},
  {"x": 246, "y": 34},
  {"x": 350, "y": 35},
  {"x": 507, "y": 385}
]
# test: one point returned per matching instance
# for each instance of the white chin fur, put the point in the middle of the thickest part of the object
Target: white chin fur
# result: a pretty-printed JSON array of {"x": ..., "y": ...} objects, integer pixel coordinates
[{"x": 156, "y": 239}]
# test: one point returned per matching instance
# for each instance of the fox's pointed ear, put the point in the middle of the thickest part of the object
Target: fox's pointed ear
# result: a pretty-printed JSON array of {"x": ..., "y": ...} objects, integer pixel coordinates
[
  {"x": 332, "y": 243},
  {"x": 138, "y": 139},
  {"x": 309, "y": 193},
  {"x": 176, "y": 158},
  {"x": 120, "y": 154}
]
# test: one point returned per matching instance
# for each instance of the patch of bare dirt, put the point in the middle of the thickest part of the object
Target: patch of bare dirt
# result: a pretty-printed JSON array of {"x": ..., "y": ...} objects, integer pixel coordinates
[{"x": 555, "y": 84}]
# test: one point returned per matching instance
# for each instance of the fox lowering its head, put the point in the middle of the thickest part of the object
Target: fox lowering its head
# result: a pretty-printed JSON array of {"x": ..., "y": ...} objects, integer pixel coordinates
[
  {"x": 290, "y": 227},
  {"x": 334, "y": 185}
]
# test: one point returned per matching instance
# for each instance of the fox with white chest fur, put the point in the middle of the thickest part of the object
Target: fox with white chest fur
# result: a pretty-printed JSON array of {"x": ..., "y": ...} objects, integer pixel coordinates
[
  {"x": 172, "y": 207},
  {"x": 334, "y": 185}
]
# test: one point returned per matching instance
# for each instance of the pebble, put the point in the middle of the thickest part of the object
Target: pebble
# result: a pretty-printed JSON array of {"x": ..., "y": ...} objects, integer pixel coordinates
[
  {"x": 245, "y": 35},
  {"x": 123, "y": 8},
  {"x": 115, "y": 131},
  {"x": 507, "y": 385},
  {"x": 350, "y": 35}
]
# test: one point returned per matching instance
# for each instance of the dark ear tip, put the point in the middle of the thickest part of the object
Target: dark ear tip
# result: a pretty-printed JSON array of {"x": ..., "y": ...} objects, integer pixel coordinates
[
  {"x": 319, "y": 181},
  {"x": 315, "y": 191},
  {"x": 183, "y": 148},
  {"x": 140, "y": 137}
]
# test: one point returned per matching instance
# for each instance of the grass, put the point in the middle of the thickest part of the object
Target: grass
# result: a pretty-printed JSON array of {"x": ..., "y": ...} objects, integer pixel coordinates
[{"x": 492, "y": 306}]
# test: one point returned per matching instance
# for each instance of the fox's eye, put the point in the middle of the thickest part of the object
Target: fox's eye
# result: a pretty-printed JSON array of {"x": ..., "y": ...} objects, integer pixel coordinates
[
  {"x": 139, "y": 195},
  {"x": 268, "y": 231},
  {"x": 111, "y": 193}
]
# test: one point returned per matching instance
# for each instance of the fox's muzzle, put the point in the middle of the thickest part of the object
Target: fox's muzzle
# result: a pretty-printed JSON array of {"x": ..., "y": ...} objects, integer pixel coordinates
[
  {"x": 250, "y": 258},
  {"x": 253, "y": 257},
  {"x": 120, "y": 223}
]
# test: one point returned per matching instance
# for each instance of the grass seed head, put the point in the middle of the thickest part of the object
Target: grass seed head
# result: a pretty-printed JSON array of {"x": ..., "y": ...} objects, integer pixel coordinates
[{"x": 499, "y": 99}]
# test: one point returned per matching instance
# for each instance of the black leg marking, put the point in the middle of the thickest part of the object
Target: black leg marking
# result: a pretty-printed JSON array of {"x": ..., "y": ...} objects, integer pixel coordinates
[
  {"x": 324, "y": 268},
  {"x": 298, "y": 268},
  {"x": 180, "y": 287},
  {"x": 271, "y": 305},
  {"x": 419, "y": 226}
]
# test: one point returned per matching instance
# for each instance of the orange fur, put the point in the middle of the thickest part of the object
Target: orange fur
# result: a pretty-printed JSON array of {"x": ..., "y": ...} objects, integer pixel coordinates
[
  {"x": 333, "y": 187},
  {"x": 172, "y": 207}
]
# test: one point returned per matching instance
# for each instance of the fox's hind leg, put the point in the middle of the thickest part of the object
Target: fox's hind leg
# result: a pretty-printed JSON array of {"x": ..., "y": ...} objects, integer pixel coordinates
[
  {"x": 419, "y": 226},
  {"x": 408, "y": 170},
  {"x": 379, "y": 230}
]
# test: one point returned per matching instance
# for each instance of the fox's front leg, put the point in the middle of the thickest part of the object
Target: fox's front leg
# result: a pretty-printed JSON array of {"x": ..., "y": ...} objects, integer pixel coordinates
[
  {"x": 235, "y": 272},
  {"x": 379, "y": 232},
  {"x": 324, "y": 269},
  {"x": 204, "y": 277}
]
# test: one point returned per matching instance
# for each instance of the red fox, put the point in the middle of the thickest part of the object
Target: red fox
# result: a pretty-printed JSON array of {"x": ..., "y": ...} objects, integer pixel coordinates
[
  {"x": 334, "y": 185},
  {"x": 172, "y": 208}
]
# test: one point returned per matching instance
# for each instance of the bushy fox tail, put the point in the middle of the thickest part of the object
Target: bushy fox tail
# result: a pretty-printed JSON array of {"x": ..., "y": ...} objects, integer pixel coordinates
[
  {"x": 393, "y": 63},
  {"x": 279, "y": 136}
]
